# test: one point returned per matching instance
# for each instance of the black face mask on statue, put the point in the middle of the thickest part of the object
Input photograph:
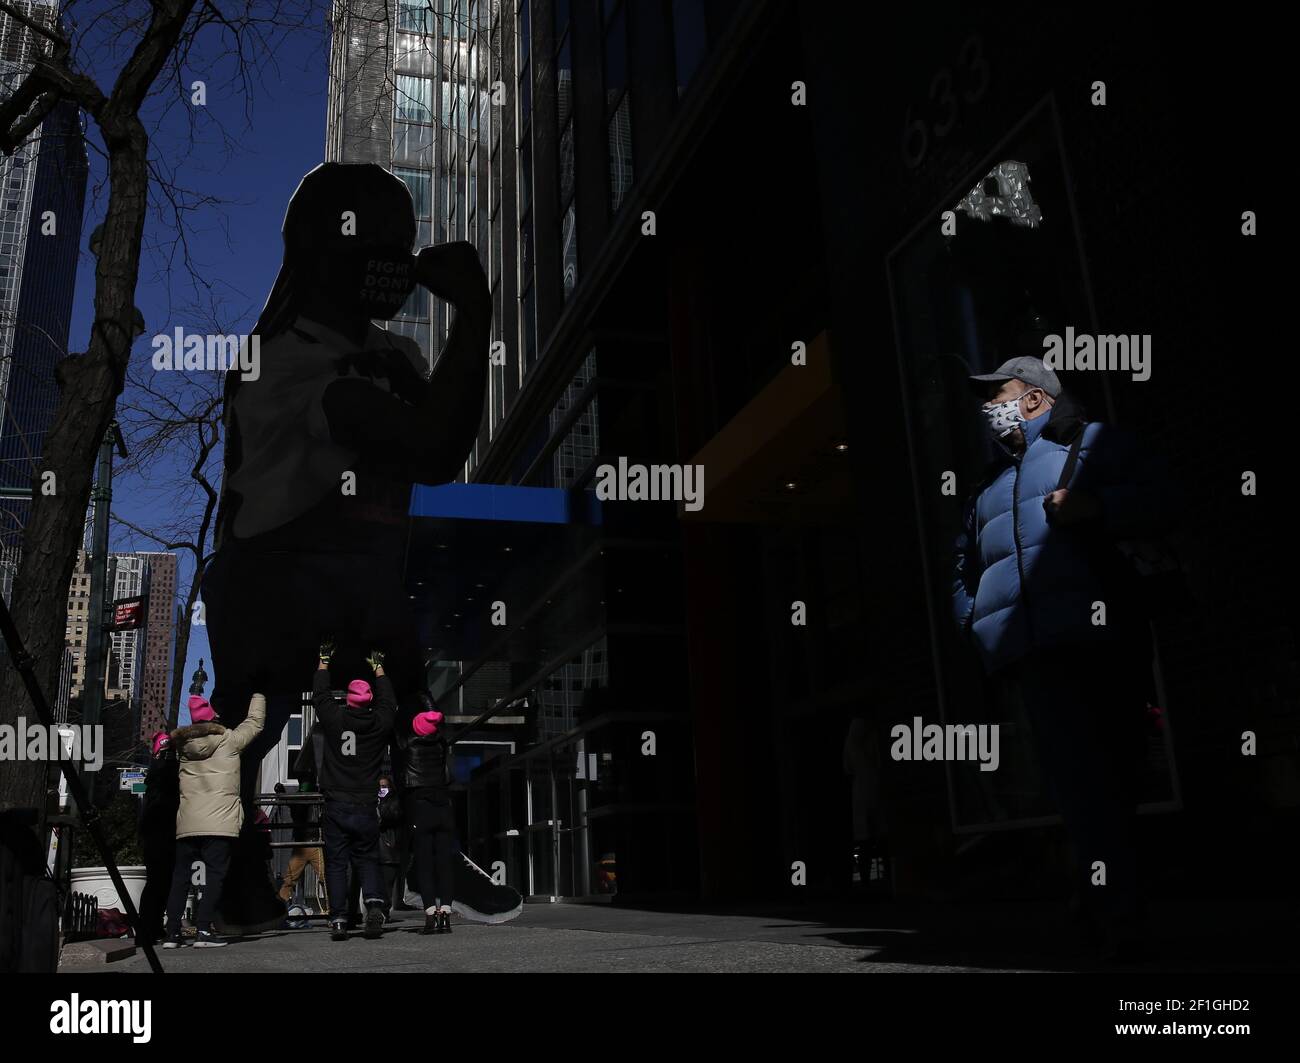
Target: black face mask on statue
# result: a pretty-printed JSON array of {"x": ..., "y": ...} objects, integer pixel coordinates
[{"x": 377, "y": 280}]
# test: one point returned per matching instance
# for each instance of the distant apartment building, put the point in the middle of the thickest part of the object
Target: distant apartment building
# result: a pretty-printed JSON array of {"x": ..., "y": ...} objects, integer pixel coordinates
[
  {"x": 125, "y": 580},
  {"x": 138, "y": 662},
  {"x": 157, "y": 641},
  {"x": 75, "y": 634}
]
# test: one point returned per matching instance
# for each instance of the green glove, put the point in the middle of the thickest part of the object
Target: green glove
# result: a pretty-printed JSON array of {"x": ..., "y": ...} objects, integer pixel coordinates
[
  {"x": 375, "y": 660},
  {"x": 327, "y": 650}
]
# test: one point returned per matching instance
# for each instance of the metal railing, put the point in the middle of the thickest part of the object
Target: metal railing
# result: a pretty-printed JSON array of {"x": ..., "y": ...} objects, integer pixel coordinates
[
  {"x": 80, "y": 917},
  {"x": 315, "y": 801}
]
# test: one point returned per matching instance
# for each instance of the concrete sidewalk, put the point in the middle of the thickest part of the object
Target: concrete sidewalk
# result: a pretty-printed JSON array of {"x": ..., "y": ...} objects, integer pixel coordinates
[{"x": 1220, "y": 936}]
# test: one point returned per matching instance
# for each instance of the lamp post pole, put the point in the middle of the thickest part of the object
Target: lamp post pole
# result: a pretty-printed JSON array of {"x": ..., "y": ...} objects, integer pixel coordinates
[{"x": 97, "y": 620}]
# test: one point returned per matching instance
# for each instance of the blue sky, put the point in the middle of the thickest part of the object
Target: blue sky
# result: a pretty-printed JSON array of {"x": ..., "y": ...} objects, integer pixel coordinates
[{"x": 236, "y": 247}]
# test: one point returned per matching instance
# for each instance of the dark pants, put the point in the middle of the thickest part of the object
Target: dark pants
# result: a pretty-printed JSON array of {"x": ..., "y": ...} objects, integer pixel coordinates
[
  {"x": 389, "y": 873},
  {"x": 1087, "y": 713},
  {"x": 433, "y": 842},
  {"x": 159, "y": 867},
  {"x": 215, "y": 856},
  {"x": 351, "y": 836}
]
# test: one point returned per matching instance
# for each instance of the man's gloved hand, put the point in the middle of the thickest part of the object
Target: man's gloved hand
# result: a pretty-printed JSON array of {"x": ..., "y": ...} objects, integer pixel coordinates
[
  {"x": 375, "y": 660},
  {"x": 327, "y": 649}
]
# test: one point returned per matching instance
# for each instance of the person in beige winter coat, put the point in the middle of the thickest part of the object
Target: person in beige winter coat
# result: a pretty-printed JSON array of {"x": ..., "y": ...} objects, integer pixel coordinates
[{"x": 211, "y": 813}]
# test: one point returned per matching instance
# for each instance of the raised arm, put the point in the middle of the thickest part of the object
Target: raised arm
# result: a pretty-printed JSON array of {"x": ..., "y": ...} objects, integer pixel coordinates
[
  {"x": 252, "y": 725},
  {"x": 322, "y": 699}
]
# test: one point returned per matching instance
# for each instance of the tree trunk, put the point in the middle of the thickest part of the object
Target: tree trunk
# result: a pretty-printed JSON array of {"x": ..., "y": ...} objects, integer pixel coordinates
[{"x": 89, "y": 386}]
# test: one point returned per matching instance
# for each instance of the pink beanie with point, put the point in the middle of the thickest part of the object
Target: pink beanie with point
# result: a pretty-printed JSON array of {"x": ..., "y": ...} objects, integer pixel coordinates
[
  {"x": 359, "y": 694},
  {"x": 426, "y": 723},
  {"x": 161, "y": 741},
  {"x": 200, "y": 710}
]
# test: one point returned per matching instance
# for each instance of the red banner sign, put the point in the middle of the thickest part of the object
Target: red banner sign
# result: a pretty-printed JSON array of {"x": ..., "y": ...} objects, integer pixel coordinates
[{"x": 128, "y": 614}]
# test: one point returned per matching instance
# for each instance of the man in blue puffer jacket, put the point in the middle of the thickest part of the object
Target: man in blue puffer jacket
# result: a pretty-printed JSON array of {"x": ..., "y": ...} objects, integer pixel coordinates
[{"x": 1035, "y": 565}]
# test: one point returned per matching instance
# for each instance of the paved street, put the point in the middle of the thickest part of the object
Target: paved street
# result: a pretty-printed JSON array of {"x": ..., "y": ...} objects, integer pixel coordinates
[{"x": 1224, "y": 936}]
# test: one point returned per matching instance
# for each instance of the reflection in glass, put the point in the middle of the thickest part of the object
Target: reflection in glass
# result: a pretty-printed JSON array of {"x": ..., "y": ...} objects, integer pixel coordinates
[
  {"x": 569, "y": 250},
  {"x": 690, "y": 40},
  {"x": 420, "y": 185},
  {"x": 566, "y": 165},
  {"x": 620, "y": 154},
  {"x": 414, "y": 96}
]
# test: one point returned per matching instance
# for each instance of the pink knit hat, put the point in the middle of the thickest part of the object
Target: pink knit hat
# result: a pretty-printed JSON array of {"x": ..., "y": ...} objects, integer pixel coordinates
[
  {"x": 200, "y": 710},
  {"x": 359, "y": 694},
  {"x": 426, "y": 723},
  {"x": 161, "y": 741}
]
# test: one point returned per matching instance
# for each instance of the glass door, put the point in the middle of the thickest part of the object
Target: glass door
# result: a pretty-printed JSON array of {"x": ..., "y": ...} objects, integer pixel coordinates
[{"x": 988, "y": 273}]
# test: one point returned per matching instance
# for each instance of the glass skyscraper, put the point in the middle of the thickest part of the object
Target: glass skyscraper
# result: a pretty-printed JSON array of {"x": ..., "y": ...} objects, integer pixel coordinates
[{"x": 42, "y": 197}]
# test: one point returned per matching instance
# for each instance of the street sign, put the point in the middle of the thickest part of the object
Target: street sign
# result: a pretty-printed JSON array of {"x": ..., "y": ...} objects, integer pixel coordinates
[
  {"x": 128, "y": 614},
  {"x": 129, "y": 779}
]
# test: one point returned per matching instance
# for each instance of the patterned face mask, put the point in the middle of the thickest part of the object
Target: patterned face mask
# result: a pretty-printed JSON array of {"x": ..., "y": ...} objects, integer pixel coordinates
[
  {"x": 383, "y": 791},
  {"x": 1003, "y": 418}
]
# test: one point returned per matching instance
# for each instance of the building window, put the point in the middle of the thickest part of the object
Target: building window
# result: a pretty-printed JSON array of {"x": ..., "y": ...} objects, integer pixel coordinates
[
  {"x": 414, "y": 99},
  {"x": 523, "y": 44},
  {"x": 690, "y": 40},
  {"x": 526, "y": 250},
  {"x": 415, "y": 16},
  {"x": 495, "y": 258},
  {"x": 620, "y": 154},
  {"x": 615, "y": 56},
  {"x": 567, "y": 182},
  {"x": 618, "y": 110},
  {"x": 421, "y": 190},
  {"x": 528, "y": 327},
  {"x": 497, "y": 74},
  {"x": 569, "y": 249},
  {"x": 413, "y": 55},
  {"x": 525, "y": 173},
  {"x": 564, "y": 81},
  {"x": 413, "y": 145}
]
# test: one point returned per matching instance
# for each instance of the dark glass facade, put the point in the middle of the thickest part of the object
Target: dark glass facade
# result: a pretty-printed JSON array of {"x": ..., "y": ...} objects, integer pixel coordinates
[
  {"x": 797, "y": 164},
  {"x": 44, "y": 308}
]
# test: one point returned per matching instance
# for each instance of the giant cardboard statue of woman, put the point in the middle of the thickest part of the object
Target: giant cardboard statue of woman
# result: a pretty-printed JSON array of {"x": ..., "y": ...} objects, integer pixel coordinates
[{"x": 324, "y": 437}]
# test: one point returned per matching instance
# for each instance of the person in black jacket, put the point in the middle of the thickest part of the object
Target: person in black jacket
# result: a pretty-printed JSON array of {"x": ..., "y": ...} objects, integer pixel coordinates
[
  {"x": 357, "y": 732},
  {"x": 162, "y": 799},
  {"x": 425, "y": 774},
  {"x": 392, "y": 825}
]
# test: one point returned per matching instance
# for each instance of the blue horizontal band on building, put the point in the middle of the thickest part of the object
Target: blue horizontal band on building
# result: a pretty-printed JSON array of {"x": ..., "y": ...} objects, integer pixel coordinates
[{"x": 498, "y": 502}]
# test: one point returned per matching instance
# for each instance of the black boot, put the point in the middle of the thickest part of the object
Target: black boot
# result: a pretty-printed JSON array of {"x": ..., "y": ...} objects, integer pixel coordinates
[{"x": 374, "y": 927}]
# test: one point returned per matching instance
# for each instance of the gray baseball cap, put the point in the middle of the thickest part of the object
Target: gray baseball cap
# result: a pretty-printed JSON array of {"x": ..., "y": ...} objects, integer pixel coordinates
[{"x": 1027, "y": 368}]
